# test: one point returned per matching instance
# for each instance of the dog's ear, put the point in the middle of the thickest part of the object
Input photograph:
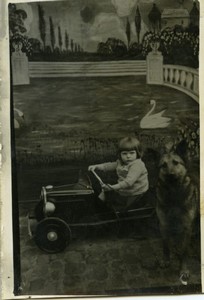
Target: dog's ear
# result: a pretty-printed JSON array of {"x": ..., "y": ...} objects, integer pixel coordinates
[
  {"x": 169, "y": 147},
  {"x": 182, "y": 150},
  {"x": 151, "y": 155}
]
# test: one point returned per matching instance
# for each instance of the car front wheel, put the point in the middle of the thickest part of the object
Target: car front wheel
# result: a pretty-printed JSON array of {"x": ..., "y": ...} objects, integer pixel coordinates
[{"x": 52, "y": 235}]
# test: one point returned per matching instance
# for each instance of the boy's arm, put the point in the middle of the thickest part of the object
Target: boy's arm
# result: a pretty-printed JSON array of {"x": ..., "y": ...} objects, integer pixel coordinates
[{"x": 109, "y": 166}]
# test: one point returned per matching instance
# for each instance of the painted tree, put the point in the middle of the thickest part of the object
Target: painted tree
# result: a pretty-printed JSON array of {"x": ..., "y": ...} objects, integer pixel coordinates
[
  {"x": 155, "y": 18},
  {"x": 60, "y": 38},
  {"x": 17, "y": 30},
  {"x": 138, "y": 24},
  {"x": 103, "y": 49},
  {"x": 36, "y": 45},
  {"x": 128, "y": 32},
  {"x": 16, "y": 20},
  {"x": 42, "y": 24},
  {"x": 72, "y": 45},
  {"x": 52, "y": 34},
  {"x": 116, "y": 46},
  {"x": 194, "y": 15},
  {"x": 66, "y": 41}
]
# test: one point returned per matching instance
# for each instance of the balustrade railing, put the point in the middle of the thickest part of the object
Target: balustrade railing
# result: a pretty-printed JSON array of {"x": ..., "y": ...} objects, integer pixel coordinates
[
  {"x": 87, "y": 69},
  {"x": 182, "y": 78}
]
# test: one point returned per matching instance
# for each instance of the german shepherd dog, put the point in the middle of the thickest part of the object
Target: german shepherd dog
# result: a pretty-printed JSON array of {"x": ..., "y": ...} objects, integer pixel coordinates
[{"x": 177, "y": 208}]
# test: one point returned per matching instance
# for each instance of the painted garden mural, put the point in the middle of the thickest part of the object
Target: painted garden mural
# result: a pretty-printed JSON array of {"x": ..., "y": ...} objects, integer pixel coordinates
[{"x": 85, "y": 74}]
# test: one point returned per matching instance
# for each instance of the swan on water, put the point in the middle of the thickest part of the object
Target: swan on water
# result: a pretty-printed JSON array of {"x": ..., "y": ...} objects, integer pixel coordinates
[
  {"x": 150, "y": 120},
  {"x": 18, "y": 118}
]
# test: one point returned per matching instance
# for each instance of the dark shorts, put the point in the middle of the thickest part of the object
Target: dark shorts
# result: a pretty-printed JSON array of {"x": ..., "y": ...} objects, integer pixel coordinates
[{"x": 124, "y": 203}]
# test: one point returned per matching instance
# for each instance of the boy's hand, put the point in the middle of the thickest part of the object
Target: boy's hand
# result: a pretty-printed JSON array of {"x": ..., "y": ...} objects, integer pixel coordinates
[
  {"x": 92, "y": 168},
  {"x": 106, "y": 187},
  {"x": 115, "y": 187}
]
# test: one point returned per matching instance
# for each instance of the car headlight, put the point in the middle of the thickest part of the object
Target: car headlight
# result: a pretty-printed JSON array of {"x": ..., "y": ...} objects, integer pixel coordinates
[
  {"x": 49, "y": 208},
  {"x": 49, "y": 187}
]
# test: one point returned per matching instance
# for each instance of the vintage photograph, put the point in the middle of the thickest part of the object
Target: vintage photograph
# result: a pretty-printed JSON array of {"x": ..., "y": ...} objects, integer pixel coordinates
[{"x": 105, "y": 147}]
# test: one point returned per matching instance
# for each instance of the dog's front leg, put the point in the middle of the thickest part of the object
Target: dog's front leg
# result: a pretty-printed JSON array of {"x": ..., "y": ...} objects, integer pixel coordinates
[
  {"x": 183, "y": 255},
  {"x": 163, "y": 217},
  {"x": 165, "y": 262}
]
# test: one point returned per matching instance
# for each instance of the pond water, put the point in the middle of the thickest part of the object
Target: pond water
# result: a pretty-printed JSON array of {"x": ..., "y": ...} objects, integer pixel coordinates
[{"x": 102, "y": 107}]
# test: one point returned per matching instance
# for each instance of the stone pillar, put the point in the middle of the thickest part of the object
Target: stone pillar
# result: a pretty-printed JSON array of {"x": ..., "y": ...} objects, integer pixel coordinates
[
  {"x": 20, "y": 71},
  {"x": 155, "y": 68}
]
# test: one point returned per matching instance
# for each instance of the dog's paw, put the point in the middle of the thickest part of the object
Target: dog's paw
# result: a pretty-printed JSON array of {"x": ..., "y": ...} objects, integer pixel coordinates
[{"x": 184, "y": 277}]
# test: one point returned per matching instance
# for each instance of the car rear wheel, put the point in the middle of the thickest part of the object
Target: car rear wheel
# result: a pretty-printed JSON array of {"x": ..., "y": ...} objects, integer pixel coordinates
[{"x": 52, "y": 235}]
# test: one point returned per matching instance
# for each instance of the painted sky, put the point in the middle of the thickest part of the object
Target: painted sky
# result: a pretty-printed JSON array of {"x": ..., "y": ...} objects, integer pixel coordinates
[{"x": 89, "y": 22}]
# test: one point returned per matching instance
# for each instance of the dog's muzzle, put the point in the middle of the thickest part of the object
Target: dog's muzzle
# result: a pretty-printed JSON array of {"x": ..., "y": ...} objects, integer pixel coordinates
[{"x": 171, "y": 178}]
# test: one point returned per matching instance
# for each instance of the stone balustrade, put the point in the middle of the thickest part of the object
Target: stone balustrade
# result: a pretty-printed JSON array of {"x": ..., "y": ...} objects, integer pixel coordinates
[
  {"x": 182, "y": 78},
  {"x": 87, "y": 69}
]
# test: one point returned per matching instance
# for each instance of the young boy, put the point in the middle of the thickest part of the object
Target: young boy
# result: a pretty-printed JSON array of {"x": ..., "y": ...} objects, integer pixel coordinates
[{"x": 132, "y": 174}]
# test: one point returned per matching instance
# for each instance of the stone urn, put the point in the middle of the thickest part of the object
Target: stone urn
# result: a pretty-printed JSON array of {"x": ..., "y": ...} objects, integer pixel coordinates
[
  {"x": 17, "y": 48},
  {"x": 155, "y": 46}
]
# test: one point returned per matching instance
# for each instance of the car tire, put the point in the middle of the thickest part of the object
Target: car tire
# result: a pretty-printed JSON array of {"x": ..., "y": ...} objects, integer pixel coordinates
[{"x": 52, "y": 235}]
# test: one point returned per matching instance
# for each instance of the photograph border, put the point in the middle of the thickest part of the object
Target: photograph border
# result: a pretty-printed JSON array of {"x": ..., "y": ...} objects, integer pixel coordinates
[{"x": 8, "y": 256}]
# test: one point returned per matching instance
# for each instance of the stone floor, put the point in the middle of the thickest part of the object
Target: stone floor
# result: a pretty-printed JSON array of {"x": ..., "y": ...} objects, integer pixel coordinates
[{"x": 105, "y": 263}]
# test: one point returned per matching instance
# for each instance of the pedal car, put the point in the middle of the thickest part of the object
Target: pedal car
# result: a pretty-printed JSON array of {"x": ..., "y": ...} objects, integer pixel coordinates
[{"x": 63, "y": 208}]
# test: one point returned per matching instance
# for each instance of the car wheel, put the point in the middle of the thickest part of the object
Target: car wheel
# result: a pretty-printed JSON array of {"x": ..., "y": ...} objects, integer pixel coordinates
[{"x": 52, "y": 235}]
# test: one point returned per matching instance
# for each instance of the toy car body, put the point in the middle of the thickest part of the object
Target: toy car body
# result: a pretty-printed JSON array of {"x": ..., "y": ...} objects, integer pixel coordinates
[{"x": 63, "y": 208}]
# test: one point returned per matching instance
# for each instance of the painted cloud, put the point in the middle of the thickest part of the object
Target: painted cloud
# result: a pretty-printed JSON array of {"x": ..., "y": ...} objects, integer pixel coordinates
[
  {"x": 106, "y": 25},
  {"x": 124, "y": 7}
]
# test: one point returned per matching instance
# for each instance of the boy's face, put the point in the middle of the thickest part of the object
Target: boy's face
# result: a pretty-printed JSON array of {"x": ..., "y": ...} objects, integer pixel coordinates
[{"x": 128, "y": 156}]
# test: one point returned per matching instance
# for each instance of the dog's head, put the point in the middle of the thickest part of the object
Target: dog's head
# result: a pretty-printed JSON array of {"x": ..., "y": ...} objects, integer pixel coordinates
[
  {"x": 172, "y": 168},
  {"x": 172, "y": 165}
]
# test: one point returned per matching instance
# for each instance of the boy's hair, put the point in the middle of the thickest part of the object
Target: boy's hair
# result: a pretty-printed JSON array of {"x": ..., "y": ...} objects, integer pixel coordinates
[{"x": 128, "y": 144}]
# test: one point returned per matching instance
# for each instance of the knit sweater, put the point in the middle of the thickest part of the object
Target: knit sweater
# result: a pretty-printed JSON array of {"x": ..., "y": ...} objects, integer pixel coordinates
[{"x": 132, "y": 178}]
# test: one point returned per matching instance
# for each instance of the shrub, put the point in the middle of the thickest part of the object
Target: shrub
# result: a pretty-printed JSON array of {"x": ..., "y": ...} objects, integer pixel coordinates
[
  {"x": 113, "y": 47},
  {"x": 135, "y": 49},
  {"x": 178, "y": 46},
  {"x": 18, "y": 38}
]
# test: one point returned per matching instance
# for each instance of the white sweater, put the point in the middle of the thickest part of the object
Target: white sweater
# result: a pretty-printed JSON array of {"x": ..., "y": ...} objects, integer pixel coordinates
[{"x": 132, "y": 178}]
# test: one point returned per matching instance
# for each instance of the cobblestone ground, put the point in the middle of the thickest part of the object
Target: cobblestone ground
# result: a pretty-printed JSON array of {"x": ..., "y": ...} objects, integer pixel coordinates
[{"x": 124, "y": 263}]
